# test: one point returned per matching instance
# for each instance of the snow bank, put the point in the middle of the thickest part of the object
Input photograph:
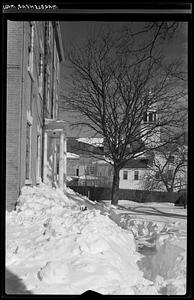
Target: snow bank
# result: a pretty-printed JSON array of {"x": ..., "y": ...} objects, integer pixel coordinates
[
  {"x": 163, "y": 242},
  {"x": 56, "y": 248}
]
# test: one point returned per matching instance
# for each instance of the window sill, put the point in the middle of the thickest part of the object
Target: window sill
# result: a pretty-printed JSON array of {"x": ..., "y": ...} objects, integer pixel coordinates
[{"x": 28, "y": 182}]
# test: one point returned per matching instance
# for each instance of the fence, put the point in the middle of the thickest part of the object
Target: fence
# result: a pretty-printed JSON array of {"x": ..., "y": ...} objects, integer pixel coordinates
[{"x": 104, "y": 193}]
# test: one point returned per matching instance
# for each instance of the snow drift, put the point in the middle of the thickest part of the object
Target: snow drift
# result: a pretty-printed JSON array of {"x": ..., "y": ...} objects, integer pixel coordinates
[{"x": 56, "y": 248}]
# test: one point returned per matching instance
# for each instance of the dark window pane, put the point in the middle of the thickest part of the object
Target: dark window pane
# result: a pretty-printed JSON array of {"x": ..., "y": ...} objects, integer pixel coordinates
[
  {"x": 136, "y": 175},
  {"x": 125, "y": 175},
  {"x": 145, "y": 117},
  {"x": 150, "y": 117},
  {"x": 28, "y": 151}
]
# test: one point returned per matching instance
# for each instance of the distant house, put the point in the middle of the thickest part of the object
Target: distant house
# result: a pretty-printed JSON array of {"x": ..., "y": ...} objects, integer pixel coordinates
[
  {"x": 34, "y": 53},
  {"x": 86, "y": 164},
  {"x": 132, "y": 174}
]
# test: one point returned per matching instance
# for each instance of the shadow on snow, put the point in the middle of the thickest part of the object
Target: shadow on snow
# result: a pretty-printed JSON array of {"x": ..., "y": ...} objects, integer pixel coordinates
[{"x": 14, "y": 284}]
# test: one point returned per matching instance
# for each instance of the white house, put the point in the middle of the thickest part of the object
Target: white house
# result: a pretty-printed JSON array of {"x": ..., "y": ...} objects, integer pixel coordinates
[{"x": 131, "y": 176}]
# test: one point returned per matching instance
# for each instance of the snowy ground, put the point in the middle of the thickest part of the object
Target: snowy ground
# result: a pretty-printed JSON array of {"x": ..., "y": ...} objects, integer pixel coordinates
[{"x": 55, "y": 247}]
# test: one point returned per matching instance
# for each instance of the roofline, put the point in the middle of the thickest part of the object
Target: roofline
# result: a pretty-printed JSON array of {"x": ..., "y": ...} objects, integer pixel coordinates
[{"x": 134, "y": 168}]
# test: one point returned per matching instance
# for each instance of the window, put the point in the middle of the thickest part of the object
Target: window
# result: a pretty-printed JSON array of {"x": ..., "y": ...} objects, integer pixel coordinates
[
  {"x": 31, "y": 49},
  {"x": 89, "y": 170},
  {"x": 77, "y": 171},
  {"x": 152, "y": 117},
  {"x": 56, "y": 107},
  {"x": 49, "y": 32},
  {"x": 38, "y": 169},
  {"x": 53, "y": 101},
  {"x": 40, "y": 73},
  {"x": 31, "y": 95},
  {"x": 136, "y": 175},
  {"x": 57, "y": 167},
  {"x": 28, "y": 150},
  {"x": 125, "y": 175},
  {"x": 57, "y": 74},
  {"x": 149, "y": 117},
  {"x": 92, "y": 170},
  {"x": 48, "y": 88},
  {"x": 145, "y": 117}
]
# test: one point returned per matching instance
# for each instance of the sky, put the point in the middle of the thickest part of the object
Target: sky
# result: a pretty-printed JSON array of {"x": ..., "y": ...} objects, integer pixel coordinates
[{"x": 76, "y": 31}]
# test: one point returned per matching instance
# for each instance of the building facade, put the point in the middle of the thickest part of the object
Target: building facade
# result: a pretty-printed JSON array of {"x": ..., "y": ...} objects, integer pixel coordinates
[
  {"x": 85, "y": 164},
  {"x": 132, "y": 174},
  {"x": 34, "y": 53}
]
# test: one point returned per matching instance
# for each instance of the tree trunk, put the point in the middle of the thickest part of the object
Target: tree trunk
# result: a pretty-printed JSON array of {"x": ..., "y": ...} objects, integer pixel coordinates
[{"x": 115, "y": 187}]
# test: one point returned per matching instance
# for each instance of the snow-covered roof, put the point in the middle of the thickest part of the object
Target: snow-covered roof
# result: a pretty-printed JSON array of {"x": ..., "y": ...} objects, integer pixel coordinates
[
  {"x": 141, "y": 163},
  {"x": 89, "y": 177},
  {"x": 100, "y": 162},
  {"x": 72, "y": 155},
  {"x": 97, "y": 142}
]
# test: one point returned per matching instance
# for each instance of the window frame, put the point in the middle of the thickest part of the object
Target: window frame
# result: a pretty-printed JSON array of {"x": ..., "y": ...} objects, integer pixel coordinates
[
  {"x": 38, "y": 161},
  {"x": 150, "y": 120},
  {"x": 29, "y": 121},
  {"x": 136, "y": 175},
  {"x": 125, "y": 175},
  {"x": 40, "y": 70},
  {"x": 31, "y": 50},
  {"x": 92, "y": 170},
  {"x": 77, "y": 171},
  {"x": 48, "y": 90}
]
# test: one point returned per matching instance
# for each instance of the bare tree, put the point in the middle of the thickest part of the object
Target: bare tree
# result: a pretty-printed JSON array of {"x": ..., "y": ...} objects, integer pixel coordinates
[
  {"x": 169, "y": 169},
  {"x": 115, "y": 79}
]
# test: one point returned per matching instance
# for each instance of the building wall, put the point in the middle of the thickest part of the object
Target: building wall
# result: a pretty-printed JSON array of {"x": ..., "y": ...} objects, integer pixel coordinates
[
  {"x": 89, "y": 167},
  {"x": 26, "y": 58},
  {"x": 72, "y": 165},
  {"x": 130, "y": 182},
  {"x": 52, "y": 69},
  {"x": 14, "y": 71}
]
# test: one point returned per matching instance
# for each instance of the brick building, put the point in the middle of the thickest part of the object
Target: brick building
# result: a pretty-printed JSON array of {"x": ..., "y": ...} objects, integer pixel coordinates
[{"x": 34, "y": 53}]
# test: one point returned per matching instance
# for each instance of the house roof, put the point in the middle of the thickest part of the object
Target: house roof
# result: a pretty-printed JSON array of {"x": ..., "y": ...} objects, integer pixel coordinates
[
  {"x": 72, "y": 155},
  {"x": 141, "y": 163},
  {"x": 80, "y": 148},
  {"x": 97, "y": 142}
]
